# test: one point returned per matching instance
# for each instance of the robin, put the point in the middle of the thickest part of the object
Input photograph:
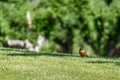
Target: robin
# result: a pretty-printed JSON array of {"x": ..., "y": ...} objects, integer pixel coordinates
[{"x": 82, "y": 52}]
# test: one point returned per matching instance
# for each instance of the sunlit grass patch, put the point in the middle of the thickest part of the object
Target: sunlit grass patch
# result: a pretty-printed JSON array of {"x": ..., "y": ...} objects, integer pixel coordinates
[{"x": 26, "y": 65}]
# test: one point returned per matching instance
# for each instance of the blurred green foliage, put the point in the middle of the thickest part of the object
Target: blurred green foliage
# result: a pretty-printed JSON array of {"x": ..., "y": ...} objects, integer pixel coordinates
[{"x": 92, "y": 24}]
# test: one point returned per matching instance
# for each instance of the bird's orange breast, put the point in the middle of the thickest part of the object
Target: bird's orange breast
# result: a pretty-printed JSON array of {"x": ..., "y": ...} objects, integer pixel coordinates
[{"x": 82, "y": 53}]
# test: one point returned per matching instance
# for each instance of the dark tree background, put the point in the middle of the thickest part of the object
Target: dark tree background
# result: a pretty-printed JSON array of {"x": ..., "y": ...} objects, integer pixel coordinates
[{"x": 66, "y": 24}]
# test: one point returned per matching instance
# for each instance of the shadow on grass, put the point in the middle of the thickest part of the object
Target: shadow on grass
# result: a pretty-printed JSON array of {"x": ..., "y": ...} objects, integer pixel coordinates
[
  {"x": 99, "y": 61},
  {"x": 33, "y": 54},
  {"x": 117, "y": 63},
  {"x": 23, "y": 52}
]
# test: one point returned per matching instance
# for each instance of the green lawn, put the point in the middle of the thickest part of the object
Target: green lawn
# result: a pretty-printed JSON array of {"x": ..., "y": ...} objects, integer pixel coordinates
[{"x": 25, "y": 65}]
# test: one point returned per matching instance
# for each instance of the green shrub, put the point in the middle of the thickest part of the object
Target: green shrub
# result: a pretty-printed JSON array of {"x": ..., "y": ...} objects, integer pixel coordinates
[{"x": 70, "y": 24}]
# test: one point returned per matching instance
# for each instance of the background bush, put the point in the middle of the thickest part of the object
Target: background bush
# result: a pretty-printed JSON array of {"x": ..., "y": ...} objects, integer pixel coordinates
[{"x": 66, "y": 24}]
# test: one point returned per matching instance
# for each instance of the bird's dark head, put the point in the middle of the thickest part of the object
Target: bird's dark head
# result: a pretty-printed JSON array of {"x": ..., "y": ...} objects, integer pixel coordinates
[{"x": 80, "y": 49}]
